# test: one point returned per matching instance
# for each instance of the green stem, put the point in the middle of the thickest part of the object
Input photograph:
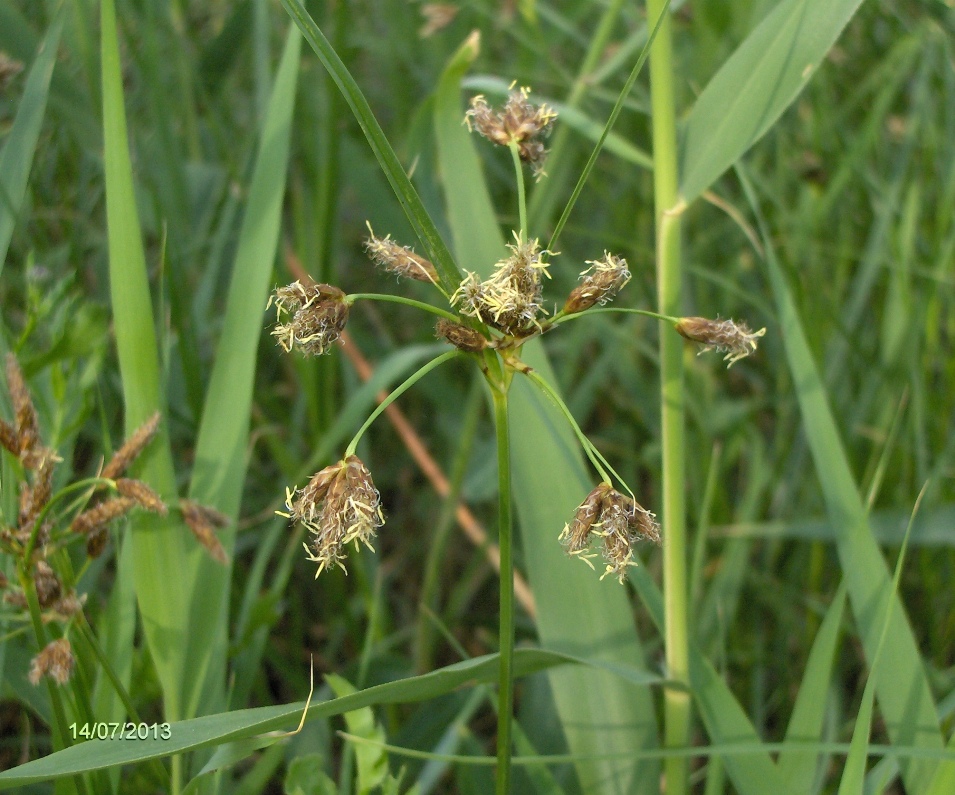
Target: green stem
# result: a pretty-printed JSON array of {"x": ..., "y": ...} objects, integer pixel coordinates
[
  {"x": 597, "y": 310},
  {"x": 618, "y": 106},
  {"x": 400, "y": 390},
  {"x": 400, "y": 299},
  {"x": 521, "y": 191},
  {"x": 60, "y": 727},
  {"x": 676, "y": 706},
  {"x": 595, "y": 458},
  {"x": 506, "y": 643}
]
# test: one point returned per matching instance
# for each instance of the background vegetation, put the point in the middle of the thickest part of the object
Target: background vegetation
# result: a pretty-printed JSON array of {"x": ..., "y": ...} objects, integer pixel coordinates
[{"x": 135, "y": 278}]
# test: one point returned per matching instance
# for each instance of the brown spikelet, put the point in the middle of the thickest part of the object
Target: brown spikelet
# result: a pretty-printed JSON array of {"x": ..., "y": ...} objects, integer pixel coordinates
[
  {"x": 100, "y": 515},
  {"x": 28, "y": 430},
  {"x": 461, "y": 337},
  {"x": 96, "y": 541},
  {"x": 68, "y": 606},
  {"x": 131, "y": 448},
  {"x": 726, "y": 336},
  {"x": 56, "y": 661},
  {"x": 8, "y": 437},
  {"x": 34, "y": 499},
  {"x": 203, "y": 522},
  {"x": 399, "y": 259},
  {"x": 340, "y": 505},
  {"x": 144, "y": 496},
  {"x": 48, "y": 586}
]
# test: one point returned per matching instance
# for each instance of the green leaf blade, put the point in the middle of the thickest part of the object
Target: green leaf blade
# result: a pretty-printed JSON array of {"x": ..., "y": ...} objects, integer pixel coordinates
[{"x": 758, "y": 82}]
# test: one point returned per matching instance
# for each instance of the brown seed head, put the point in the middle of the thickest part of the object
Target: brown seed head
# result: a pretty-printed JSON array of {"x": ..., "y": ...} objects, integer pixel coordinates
[
  {"x": 8, "y": 437},
  {"x": 399, "y": 260},
  {"x": 101, "y": 515},
  {"x": 34, "y": 498},
  {"x": 144, "y": 496},
  {"x": 28, "y": 429},
  {"x": 96, "y": 541},
  {"x": 519, "y": 122},
  {"x": 339, "y": 505},
  {"x": 319, "y": 313},
  {"x": 203, "y": 521},
  {"x": 616, "y": 518},
  {"x": 598, "y": 284},
  {"x": 511, "y": 300},
  {"x": 48, "y": 586},
  {"x": 131, "y": 448},
  {"x": 56, "y": 661},
  {"x": 726, "y": 336},
  {"x": 461, "y": 337}
]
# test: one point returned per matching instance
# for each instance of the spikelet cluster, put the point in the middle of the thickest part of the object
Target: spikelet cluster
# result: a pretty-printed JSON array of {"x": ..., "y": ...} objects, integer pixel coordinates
[
  {"x": 726, "y": 336},
  {"x": 318, "y": 313},
  {"x": 55, "y": 661},
  {"x": 598, "y": 284},
  {"x": 518, "y": 122},
  {"x": 399, "y": 259},
  {"x": 511, "y": 299},
  {"x": 618, "y": 521},
  {"x": 340, "y": 505}
]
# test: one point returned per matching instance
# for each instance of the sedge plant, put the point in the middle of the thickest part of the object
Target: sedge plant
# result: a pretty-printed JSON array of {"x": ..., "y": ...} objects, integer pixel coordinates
[{"x": 487, "y": 322}]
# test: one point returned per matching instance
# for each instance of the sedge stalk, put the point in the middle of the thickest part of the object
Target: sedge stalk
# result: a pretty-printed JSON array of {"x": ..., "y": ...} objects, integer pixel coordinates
[{"x": 676, "y": 710}]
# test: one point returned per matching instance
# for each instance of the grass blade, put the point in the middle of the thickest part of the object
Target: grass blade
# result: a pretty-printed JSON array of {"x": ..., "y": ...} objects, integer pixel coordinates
[
  {"x": 159, "y": 548},
  {"x": 213, "y": 730},
  {"x": 20, "y": 146},
  {"x": 405, "y": 192},
  {"x": 796, "y": 767},
  {"x": 758, "y": 82},
  {"x": 853, "y": 775},
  {"x": 901, "y": 685},
  {"x": 221, "y": 459}
]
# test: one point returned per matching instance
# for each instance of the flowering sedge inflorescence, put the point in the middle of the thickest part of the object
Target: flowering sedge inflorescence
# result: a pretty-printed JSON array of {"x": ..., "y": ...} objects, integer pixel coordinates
[
  {"x": 518, "y": 122},
  {"x": 340, "y": 505},
  {"x": 511, "y": 299},
  {"x": 618, "y": 521},
  {"x": 500, "y": 313},
  {"x": 726, "y": 336}
]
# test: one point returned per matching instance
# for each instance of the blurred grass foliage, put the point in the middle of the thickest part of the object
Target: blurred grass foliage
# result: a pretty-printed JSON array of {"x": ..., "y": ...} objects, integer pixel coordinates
[{"x": 162, "y": 168}]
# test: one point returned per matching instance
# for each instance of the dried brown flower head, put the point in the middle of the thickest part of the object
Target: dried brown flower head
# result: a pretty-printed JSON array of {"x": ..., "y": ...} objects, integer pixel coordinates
[
  {"x": 203, "y": 521},
  {"x": 8, "y": 437},
  {"x": 339, "y": 505},
  {"x": 99, "y": 516},
  {"x": 27, "y": 427},
  {"x": 319, "y": 313},
  {"x": 48, "y": 585},
  {"x": 519, "y": 122},
  {"x": 461, "y": 337},
  {"x": 617, "y": 519},
  {"x": 598, "y": 284},
  {"x": 510, "y": 300},
  {"x": 399, "y": 260},
  {"x": 726, "y": 336},
  {"x": 55, "y": 660},
  {"x": 144, "y": 496},
  {"x": 132, "y": 448}
]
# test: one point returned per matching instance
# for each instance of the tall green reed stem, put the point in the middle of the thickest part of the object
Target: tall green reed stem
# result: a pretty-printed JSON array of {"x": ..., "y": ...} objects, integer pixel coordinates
[
  {"x": 505, "y": 699},
  {"x": 668, "y": 207}
]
